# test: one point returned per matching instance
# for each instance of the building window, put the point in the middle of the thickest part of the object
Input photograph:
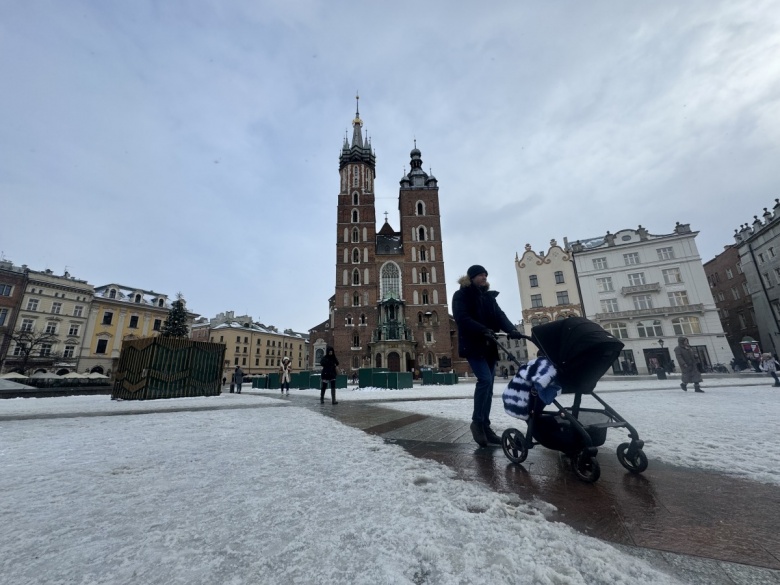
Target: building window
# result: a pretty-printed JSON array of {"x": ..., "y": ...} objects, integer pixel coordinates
[
  {"x": 355, "y": 256},
  {"x": 356, "y": 300},
  {"x": 391, "y": 281},
  {"x": 137, "y": 298},
  {"x": 665, "y": 253},
  {"x": 349, "y": 319},
  {"x": 133, "y": 322},
  {"x": 56, "y": 308},
  {"x": 729, "y": 273},
  {"x": 27, "y": 326},
  {"x": 5, "y": 290},
  {"x": 777, "y": 275},
  {"x": 609, "y": 305},
  {"x": 721, "y": 296},
  {"x": 636, "y": 279},
  {"x": 599, "y": 263},
  {"x": 70, "y": 351},
  {"x": 32, "y": 305},
  {"x": 355, "y": 216},
  {"x": 423, "y": 254},
  {"x": 605, "y": 284},
  {"x": 421, "y": 234},
  {"x": 51, "y": 328},
  {"x": 425, "y": 297},
  {"x": 102, "y": 344},
  {"x": 767, "y": 281},
  {"x": 423, "y": 276},
  {"x": 356, "y": 341},
  {"x": 735, "y": 293},
  {"x": 356, "y": 276},
  {"x": 3, "y": 316},
  {"x": 678, "y": 298},
  {"x": 672, "y": 276},
  {"x": 74, "y": 329},
  {"x": 631, "y": 258},
  {"x": 19, "y": 349},
  {"x": 558, "y": 277},
  {"x": 355, "y": 198},
  {"x": 742, "y": 322},
  {"x": 112, "y": 294},
  {"x": 619, "y": 330},
  {"x": 686, "y": 326},
  {"x": 536, "y": 301},
  {"x": 563, "y": 297},
  {"x": 428, "y": 337},
  {"x": 761, "y": 259},
  {"x": 45, "y": 349},
  {"x": 420, "y": 208},
  {"x": 739, "y": 268},
  {"x": 107, "y": 317},
  {"x": 643, "y": 302},
  {"x": 745, "y": 289},
  {"x": 355, "y": 235},
  {"x": 534, "y": 280},
  {"x": 78, "y": 311},
  {"x": 649, "y": 329},
  {"x": 157, "y": 324}
]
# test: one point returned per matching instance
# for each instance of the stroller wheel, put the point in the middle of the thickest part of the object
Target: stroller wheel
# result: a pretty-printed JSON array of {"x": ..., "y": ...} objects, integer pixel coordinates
[
  {"x": 586, "y": 467},
  {"x": 513, "y": 444},
  {"x": 635, "y": 463}
]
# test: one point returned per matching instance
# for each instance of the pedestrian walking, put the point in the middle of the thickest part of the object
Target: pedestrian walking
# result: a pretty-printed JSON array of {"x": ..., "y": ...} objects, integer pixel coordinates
[
  {"x": 329, "y": 364},
  {"x": 285, "y": 373},
  {"x": 238, "y": 379},
  {"x": 688, "y": 364},
  {"x": 770, "y": 365},
  {"x": 478, "y": 318}
]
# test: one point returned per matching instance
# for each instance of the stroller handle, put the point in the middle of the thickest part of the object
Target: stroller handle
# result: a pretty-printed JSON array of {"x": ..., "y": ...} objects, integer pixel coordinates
[{"x": 509, "y": 354}]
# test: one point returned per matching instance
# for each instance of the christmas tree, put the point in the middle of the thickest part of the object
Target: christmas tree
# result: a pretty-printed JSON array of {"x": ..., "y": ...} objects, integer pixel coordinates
[{"x": 176, "y": 322}]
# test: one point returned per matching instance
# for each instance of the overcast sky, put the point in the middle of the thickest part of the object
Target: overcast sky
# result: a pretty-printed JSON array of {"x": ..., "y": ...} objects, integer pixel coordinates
[{"x": 193, "y": 146}]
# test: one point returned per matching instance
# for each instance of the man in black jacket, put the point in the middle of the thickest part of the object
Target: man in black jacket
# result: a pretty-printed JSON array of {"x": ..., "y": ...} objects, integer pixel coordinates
[{"x": 479, "y": 317}]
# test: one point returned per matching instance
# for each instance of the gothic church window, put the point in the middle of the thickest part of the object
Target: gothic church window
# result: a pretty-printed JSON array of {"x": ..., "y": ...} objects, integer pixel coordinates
[
  {"x": 349, "y": 319},
  {"x": 423, "y": 254},
  {"x": 425, "y": 297},
  {"x": 356, "y": 276},
  {"x": 391, "y": 280},
  {"x": 356, "y": 256},
  {"x": 423, "y": 276},
  {"x": 356, "y": 300},
  {"x": 421, "y": 234},
  {"x": 355, "y": 175},
  {"x": 355, "y": 235},
  {"x": 362, "y": 318},
  {"x": 355, "y": 216},
  {"x": 355, "y": 199},
  {"x": 420, "y": 208}
]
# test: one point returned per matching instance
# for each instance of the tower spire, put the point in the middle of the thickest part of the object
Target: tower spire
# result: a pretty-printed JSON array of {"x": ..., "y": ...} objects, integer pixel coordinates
[{"x": 357, "y": 124}]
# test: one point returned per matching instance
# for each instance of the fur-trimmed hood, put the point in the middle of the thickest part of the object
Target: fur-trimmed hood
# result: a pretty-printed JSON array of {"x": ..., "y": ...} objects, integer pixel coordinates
[{"x": 464, "y": 282}]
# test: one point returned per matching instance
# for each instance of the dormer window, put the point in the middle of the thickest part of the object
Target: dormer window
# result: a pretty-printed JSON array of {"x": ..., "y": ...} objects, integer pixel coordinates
[
  {"x": 112, "y": 293},
  {"x": 161, "y": 303},
  {"x": 137, "y": 298}
]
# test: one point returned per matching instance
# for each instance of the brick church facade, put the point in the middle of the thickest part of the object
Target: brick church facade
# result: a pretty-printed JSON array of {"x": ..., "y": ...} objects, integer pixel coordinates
[{"x": 390, "y": 307}]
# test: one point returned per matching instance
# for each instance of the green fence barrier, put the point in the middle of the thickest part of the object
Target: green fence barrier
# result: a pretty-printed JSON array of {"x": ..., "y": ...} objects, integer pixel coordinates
[{"x": 273, "y": 382}]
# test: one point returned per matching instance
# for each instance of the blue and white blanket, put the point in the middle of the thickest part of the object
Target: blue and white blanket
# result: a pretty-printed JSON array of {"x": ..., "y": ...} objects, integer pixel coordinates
[{"x": 539, "y": 374}]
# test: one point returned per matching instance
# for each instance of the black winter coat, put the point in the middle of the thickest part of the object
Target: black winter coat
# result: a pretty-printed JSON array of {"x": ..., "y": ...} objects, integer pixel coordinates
[
  {"x": 476, "y": 311},
  {"x": 329, "y": 364}
]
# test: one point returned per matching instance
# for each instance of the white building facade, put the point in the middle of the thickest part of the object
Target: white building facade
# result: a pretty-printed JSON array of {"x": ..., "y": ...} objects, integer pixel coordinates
[
  {"x": 547, "y": 285},
  {"x": 648, "y": 290}
]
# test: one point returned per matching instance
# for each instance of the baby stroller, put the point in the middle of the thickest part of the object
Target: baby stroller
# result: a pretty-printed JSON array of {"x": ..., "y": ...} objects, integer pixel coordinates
[{"x": 574, "y": 354}]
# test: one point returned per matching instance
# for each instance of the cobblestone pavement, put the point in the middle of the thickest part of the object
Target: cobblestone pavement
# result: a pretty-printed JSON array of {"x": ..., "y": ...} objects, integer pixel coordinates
[{"x": 703, "y": 527}]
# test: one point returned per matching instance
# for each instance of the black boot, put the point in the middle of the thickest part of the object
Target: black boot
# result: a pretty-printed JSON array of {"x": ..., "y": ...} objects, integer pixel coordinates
[
  {"x": 492, "y": 438},
  {"x": 684, "y": 387},
  {"x": 697, "y": 389},
  {"x": 322, "y": 395},
  {"x": 479, "y": 434},
  {"x": 333, "y": 396}
]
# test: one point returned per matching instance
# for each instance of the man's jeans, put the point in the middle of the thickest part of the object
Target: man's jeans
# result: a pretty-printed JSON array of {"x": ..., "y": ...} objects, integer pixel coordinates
[{"x": 484, "y": 369}]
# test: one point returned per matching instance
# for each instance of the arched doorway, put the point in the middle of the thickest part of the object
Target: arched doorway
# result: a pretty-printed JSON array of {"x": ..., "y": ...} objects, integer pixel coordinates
[
  {"x": 97, "y": 369},
  {"x": 62, "y": 371},
  {"x": 393, "y": 362}
]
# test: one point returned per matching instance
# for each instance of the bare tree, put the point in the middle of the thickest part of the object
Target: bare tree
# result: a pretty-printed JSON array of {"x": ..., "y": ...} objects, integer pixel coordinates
[{"x": 31, "y": 349}]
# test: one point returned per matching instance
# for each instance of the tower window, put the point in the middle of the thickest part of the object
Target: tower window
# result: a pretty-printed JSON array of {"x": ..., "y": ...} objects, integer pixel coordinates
[
  {"x": 355, "y": 198},
  {"x": 423, "y": 254},
  {"x": 421, "y": 234},
  {"x": 356, "y": 300},
  {"x": 355, "y": 235},
  {"x": 425, "y": 297},
  {"x": 356, "y": 276},
  {"x": 420, "y": 208},
  {"x": 355, "y": 256},
  {"x": 355, "y": 216}
]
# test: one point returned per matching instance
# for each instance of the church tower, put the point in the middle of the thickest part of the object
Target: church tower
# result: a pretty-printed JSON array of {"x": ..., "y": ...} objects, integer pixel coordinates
[{"x": 390, "y": 306}]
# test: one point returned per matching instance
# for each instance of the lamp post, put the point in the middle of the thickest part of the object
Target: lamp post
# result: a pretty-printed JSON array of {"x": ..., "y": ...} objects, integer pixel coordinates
[{"x": 661, "y": 343}]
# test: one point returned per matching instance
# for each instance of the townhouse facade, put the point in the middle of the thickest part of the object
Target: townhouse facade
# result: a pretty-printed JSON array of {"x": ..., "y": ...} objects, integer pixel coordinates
[
  {"x": 118, "y": 313},
  {"x": 13, "y": 280},
  {"x": 732, "y": 298},
  {"x": 758, "y": 245},
  {"x": 50, "y": 323},
  {"x": 648, "y": 290},
  {"x": 548, "y": 286}
]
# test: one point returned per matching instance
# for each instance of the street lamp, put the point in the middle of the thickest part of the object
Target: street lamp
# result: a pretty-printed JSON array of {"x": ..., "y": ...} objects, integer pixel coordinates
[{"x": 661, "y": 343}]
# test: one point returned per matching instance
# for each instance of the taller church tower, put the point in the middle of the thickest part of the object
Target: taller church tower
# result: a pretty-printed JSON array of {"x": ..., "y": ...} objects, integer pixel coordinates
[{"x": 390, "y": 308}]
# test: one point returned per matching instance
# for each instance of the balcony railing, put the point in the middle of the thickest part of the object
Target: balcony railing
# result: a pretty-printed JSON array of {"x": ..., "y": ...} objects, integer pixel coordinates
[
  {"x": 655, "y": 312},
  {"x": 640, "y": 288}
]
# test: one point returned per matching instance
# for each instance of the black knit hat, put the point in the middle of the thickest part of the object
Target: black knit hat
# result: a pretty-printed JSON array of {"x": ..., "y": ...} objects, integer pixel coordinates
[{"x": 475, "y": 270}]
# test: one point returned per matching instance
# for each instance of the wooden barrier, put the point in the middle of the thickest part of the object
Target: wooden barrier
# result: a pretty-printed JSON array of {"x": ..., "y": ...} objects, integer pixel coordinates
[{"x": 168, "y": 367}]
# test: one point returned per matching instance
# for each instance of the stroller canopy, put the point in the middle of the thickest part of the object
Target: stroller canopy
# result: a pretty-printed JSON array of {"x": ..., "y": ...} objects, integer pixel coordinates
[{"x": 580, "y": 349}]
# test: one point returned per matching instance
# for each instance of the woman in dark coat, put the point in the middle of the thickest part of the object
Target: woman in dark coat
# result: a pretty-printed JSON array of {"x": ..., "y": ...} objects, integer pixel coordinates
[
  {"x": 687, "y": 360},
  {"x": 479, "y": 317},
  {"x": 329, "y": 364}
]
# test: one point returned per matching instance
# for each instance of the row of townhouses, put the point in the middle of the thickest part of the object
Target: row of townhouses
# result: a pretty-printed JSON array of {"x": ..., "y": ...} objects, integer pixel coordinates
[
  {"x": 645, "y": 289},
  {"x": 59, "y": 324}
]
